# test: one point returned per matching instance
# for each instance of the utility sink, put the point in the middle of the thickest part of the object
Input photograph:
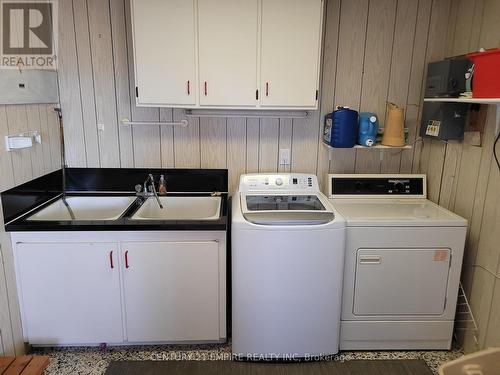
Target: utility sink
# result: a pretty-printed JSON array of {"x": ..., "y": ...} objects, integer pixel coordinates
[
  {"x": 85, "y": 208},
  {"x": 180, "y": 208}
]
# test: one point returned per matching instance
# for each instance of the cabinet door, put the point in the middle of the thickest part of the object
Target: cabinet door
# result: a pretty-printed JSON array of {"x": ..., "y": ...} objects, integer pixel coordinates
[
  {"x": 171, "y": 291},
  {"x": 227, "y": 34},
  {"x": 291, "y": 43},
  {"x": 70, "y": 292},
  {"x": 164, "y": 51}
]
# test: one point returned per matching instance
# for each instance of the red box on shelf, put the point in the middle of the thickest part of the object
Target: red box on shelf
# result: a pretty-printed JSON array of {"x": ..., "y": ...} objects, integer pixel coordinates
[{"x": 486, "y": 81}]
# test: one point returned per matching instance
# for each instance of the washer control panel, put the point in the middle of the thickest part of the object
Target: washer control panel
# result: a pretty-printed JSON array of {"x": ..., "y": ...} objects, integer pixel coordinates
[{"x": 279, "y": 181}]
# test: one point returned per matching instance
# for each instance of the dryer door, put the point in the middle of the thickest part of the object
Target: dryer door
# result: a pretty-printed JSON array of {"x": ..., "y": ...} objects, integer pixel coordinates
[{"x": 401, "y": 281}]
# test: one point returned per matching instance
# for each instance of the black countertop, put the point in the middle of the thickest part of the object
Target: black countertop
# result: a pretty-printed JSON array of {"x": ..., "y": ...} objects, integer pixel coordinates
[{"x": 25, "y": 200}]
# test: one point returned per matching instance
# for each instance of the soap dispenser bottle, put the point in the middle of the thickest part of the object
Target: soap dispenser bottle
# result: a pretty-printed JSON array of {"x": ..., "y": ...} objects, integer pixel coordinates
[{"x": 162, "y": 188}]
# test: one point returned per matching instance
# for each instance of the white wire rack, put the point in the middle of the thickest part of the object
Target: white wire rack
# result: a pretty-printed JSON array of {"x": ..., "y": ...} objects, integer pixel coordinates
[{"x": 464, "y": 319}]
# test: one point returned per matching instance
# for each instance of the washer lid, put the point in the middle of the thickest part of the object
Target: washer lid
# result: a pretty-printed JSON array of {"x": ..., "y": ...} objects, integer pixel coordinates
[
  {"x": 391, "y": 212},
  {"x": 286, "y": 209},
  {"x": 283, "y": 203}
]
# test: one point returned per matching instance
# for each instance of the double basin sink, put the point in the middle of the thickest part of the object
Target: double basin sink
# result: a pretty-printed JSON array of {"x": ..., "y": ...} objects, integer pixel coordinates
[{"x": 85, "y": 208}]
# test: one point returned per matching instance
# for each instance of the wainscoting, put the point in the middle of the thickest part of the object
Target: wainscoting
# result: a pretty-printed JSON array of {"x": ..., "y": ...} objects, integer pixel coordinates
[
  {"x": 11, "y": 339},
  {"x": 2, "y": 351}
]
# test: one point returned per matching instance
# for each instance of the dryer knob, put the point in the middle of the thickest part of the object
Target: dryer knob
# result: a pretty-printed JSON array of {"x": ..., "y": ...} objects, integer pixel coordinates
[{"x": 279, "y": 182}]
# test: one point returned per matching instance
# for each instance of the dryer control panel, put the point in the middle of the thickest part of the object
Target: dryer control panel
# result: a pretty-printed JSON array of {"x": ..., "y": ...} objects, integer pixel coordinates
[
  {"x": 297, "y": 182},
  {"x": 377, "y": 186}
]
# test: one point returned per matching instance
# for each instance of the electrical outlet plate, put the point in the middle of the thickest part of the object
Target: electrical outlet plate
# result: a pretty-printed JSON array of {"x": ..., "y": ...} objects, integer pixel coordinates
[{"x": 284, "y": 156}]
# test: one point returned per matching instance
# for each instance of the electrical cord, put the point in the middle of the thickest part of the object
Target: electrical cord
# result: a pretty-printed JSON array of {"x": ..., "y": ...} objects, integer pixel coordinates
[
  {"x": 495, "y": 150},
  {"x": 495, "y": 275}
]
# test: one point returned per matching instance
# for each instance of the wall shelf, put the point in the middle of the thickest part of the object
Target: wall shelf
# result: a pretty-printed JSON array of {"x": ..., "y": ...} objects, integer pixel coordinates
[
  {"x": 383, "y": 147},
  {"x": 494, "y": 101},
  {"x": 488, "y": 101},
  {"x": 379, "y": 147}
]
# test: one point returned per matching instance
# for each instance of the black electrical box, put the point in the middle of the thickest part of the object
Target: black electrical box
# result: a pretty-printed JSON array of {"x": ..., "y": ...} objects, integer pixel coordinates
[
  {"x": 446, "y": 78},
  {"x": 444, "y": 120}
]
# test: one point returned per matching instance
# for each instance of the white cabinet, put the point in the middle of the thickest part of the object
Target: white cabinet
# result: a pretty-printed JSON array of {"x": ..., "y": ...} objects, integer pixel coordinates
[
  {"x": 164, "y": 52},
  {"x": 250, "y": 54},
  {"x": 227, "y": 38},
  {"x": 171, "y": 291},
  {"x": 70, "y": 292},
  {"x": 291, "y": 45},
  {"x": 121, "y": 287}
]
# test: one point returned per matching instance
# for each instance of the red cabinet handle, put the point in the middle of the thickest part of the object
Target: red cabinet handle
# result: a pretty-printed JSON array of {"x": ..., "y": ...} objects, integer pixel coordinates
[
  {"x": 189, "y": 88},
  {"x": 111, "y": 259},
  {"x": 206, "y": 89},
  {"x": 126, "y": 259},
  {"x": 267, "y": 88}
]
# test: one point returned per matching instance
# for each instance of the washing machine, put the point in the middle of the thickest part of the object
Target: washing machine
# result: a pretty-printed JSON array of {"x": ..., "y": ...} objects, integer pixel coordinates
[
  {"x": 287, "y": 263},
  {"x": 402, "y": 265}
]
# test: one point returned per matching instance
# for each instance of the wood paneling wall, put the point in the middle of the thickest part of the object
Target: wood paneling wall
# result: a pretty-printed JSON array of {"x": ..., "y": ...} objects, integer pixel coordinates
[
  {"x": 466, "y": 179},
  {"x": 17, "y": 167},
  {"x": 375, "y": 50}
]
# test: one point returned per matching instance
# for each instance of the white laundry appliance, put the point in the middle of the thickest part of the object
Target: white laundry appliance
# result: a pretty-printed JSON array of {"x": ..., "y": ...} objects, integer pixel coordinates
[
  {"x": 402, "y": 265},
  {"x": 287, "y": 263}
]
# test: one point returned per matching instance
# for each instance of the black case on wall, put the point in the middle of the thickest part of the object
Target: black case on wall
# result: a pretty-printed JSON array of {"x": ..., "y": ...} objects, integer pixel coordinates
[
  {"x": 446, "y": 78},
  {"x": 444, "y": 120}
]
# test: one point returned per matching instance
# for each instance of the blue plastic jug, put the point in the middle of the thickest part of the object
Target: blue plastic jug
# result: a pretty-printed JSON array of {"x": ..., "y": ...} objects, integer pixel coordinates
[
  {"x": 341, "y": 128},
  {"x": 368, "y": 129}
]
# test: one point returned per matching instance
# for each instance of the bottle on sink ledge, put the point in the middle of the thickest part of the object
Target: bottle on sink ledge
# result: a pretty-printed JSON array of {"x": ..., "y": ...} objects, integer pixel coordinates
[{"x": 162, "y": 189}]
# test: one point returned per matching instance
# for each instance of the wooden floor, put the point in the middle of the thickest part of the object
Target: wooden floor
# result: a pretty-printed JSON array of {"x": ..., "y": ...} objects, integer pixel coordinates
[
  {"x": 357, "y": 367},
  {"x": 23, "y": 365}
]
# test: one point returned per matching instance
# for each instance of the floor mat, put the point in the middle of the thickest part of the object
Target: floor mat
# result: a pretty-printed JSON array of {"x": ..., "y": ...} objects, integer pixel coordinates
[{"x": 356, "y": 367}]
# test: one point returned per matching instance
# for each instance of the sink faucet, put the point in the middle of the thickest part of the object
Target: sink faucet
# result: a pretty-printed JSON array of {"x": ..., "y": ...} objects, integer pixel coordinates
[{"x": 152, "y": 189}]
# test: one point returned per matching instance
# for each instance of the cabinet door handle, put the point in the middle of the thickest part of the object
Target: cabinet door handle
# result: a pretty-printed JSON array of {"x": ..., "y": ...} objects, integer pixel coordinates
[
  {"x": 189, "y": 88},
  {"x": 267, "y": 88},
  {"x": 206, "y": 88},
  {"x": 126, "y": 259},
  {"x": 111, "y": 263}
]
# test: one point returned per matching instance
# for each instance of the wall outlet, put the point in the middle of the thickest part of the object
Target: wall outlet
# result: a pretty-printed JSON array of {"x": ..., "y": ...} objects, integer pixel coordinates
[{"x": 284, "y": 156}]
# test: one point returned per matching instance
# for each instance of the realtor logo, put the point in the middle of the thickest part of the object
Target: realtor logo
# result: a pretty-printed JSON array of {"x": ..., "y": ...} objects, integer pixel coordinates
[
  {"x": 28, "y": 39},
  {"x": 27, "y": 28}
]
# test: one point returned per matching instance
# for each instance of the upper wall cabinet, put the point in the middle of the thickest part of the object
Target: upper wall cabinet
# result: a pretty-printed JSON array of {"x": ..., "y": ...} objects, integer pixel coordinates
[
  {"x": 291, "y": 31},
  {"x": 227, "y": 40},
  {"x": 252, "y": 54},
  {"x": 164, "y": 52}
]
